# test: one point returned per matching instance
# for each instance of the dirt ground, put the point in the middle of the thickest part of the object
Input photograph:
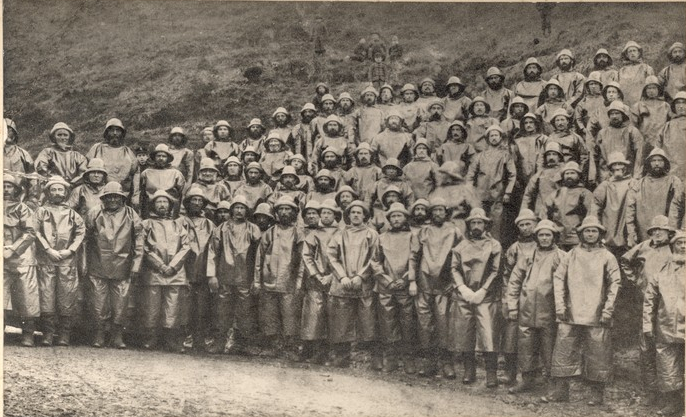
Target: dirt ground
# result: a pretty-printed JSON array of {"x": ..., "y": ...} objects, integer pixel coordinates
[{"x": 83, "y": 381}]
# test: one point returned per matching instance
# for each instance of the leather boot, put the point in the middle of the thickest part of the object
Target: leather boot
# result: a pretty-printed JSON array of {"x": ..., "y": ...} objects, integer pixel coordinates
[
  {"x": 597, "y": 393},
  {"x": 48, "y": 325},
  {"x": 150, "y": 339},
  {"x": 390, "y": 360},
  {"x": 64, "y": 332},
  {"x": 491, "y": 360},
  {"x": 526, "y": 385},
  {"x": 448, "y": 365},
  {"x": 510, "y": 369},
  {"x": 118, "y": 337},
  {"x": 27, "y": 332},
  {"x": 559, "y": 392},
  {"x": 469, "y": 363}
]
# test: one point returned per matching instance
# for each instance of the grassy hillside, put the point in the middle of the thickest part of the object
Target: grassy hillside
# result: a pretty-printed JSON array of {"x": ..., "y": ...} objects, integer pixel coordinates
[{"x": 158, "y": 64}]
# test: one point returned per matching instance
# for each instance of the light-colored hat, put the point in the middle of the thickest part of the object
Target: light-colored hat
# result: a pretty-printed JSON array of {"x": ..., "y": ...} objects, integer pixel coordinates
[
  {"x": 333, "y": 118},
  {"x": 546, "y": 225},
  {"x": 526, "y": 214},
  {"x": 657, "y": 152},
  {"x": 56, "y": 179},
  {"x": 95, "y": 165},
  {"x": 477, "y": 214},
  {"x": 116, "y": 123},
  {"x": 619, "y": 106},
  {"x": 113, "y": 187},
  {"x": 250, "y": 149},
  {"x": 254, "y": 165},
  {"x": 435, "y": 102},
  {"x": 602, "y": 51},
  {"x": 564, "y": 52},
  {"x": 427, "y": 80},
  {"x": 264, "y": 209},
  {"x": 629, "y": 45},
  {"x": 680, "y": 234},
  {"x": 289, "y": 170},
  {"x": 570, "y": 166},
  {"x": 219, "y": 124},
  {"x": 560, "y": 112},
  {"x": 312, "y": 205},
  {"x": 479, "y": 99},
  {"x": 533, "y": 61},
  {"x": 358, "y": 203},
  {"x": 681, "y": 95},
  {"x": 391, "y": 189},
  {"x": 437, "y": 202},
  {"x": 393, "y": 113},
  {"x": 160, "y": 194},
  {"x": 617, "y": 158},
  {"x": 363, "y": 145},
  {"x": 11, "y": 125},
  {"x": 497, "y": 128},
  {"x": 285, "y": 200},
  {"x": 451, "y": 169},
  {"x": 460, "y": 124},
  {"x": 392, "y": 162},
  {"x": 328, "y": 97},
  {"x": 324, "y": 173},
  {"x": 594, "y": 77},
  {"x": 177, "y": 131},
  {"x": 164, "y": 148},
  {"x": 613, "y": 84},
  {"x": 494, "y": 71},
  {"x": 409, "y": 87},
  {"x": 308, "y": 106},
  {"x": 232, "y": 158},
  {"x": 660, "y": 222},
  {"x": 239, "y": 199},
  {"x": 520, "y": 101},
  {"x": 420, "y": 202},
  {"x": 195, "y": 191},
  {"x": 256, "y": 122},
  {"x": 329, "y": 204},
  {"x": 60, "y": 125},
  {"x": 590, "y": 221},
  {"x": 280, "y": 110},
  {"x": 674, "y": 46},
  {"x": 385, "y": 86},
  {"x": 397, "y": 207},
  {"x": 12, "y": 180},
  {"x": 345, "y": 189},
  {"x": 369, "y": 89},
  {"x": 347, "y": 95},
  {"x": 297, "y": 156},
  {"x": 455, "y": 80},
  {"x": 552, "y": 146},
  {"x": 208, "y": 163},
  {"x": 421, "y": 141},
  {"x": 224, "y": 205}
]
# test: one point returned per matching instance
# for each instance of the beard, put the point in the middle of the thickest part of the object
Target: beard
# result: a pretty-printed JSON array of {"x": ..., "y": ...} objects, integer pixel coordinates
[
  {"x": 565, "y": 67},
  {"x": 435, "y": 117},
  {"x": 569, "y": 183},
  {"x": 679, "y": 60},
  {"x": 459, "y": 93},
  {"x": 476, "y": 233},
  {"x": 532, "y": 77},
  {"x": 495, "y": 85},
  {"x": 616, "y": 123},
  {"x": 601, "y": 65},
  {"x": 255, "y": 134},
  {"x": 307, "y": 119},
  {"x": 658, "y": 172}
]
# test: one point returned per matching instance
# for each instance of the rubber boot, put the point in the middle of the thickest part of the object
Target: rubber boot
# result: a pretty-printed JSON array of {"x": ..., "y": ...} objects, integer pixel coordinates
[
  {"x": 427, "y": 365},
  {"x": 341, "y": 355},
  {"x": 270, "y": 346},
  {"x": 64, "y": 332},
  {"x": 526, "y": 385},
  {"x": 377, "y": 356},
  {"x": 491, "y": 360},
  {"x": 674, "y": 404},
  {"x": 320, "y": 352},
  {"x": 150, "y": 339},
  {"x": 597, "y": 393},
  {"x": 118, "y": 337},
  {"x": 27, "y": 332},
  {"x": 559, "y": 392},
  {"x": 510, "y": 369},
  {"x": 173, "y": 339},
  {"x": 390, "y": 360},
  {"x": 293, "y": 349},
  {"x": 409, "y": 365},
  {"x": 448, "y": 364},
  {"x": 99, "y": 339},
  {"x": 48, "y": 325},
  {"x": 469, "y": 363}
]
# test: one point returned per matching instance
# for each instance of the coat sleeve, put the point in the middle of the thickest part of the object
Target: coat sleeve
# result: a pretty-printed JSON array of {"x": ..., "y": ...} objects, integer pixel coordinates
[
  {"x": 456, "y": 269},
  {"x": 213, "y": 251},
  {"x": 613, "y": 282},
  {"x": 600, "y": 199},
  {"x": 560, "y": 285},
  {"x": 184, "y": 251},
  {"x": 138, "y": 237},
  {"x": 79, "y": 232},
  {"x": 676, "y": 211},
  {"x": 333, "y": 255},
  {"x": 630, "y": 211},
  {"x": 493, "y": 266},
  {"x": 415, "y": 256},
  {"x": 530, "y": 192},
  {"x": 629, "y": 262},
  {"x": 309, "y": 253},
  {"x": 638, "y": 143},
  {"x": 510, "y": 175},
  {"x": 514, "y": 285},
  {"x": 263, "y": 248},
  {"x": 651, "y": 300},
  {"x": 382, "y": 277}
]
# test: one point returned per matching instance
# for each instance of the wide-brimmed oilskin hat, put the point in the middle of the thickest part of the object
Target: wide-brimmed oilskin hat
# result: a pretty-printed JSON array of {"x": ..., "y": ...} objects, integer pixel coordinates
[
  {"x": 660, "y": 222},
  {"x": 396, "y": 207},
  {"x": 526, "y": 214},
  {"x": 113, "y": 188},
  {"x": 590, "y": 221},
  {"x": 162, "y": 148},
  {"x": 477, "y": 214}
]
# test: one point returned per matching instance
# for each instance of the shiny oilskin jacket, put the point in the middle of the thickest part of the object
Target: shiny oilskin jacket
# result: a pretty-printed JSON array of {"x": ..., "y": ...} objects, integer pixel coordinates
[
  {"x": 68, "y": 164},
  {"x": 200, "y": 230},
  {"x": 650, "y": 116},
  {"x": 278, "y": 265},
  {"x": 673, "y": 141},
  {"x": 231, "y": 253},
  {"x": 476, "y": 264},
  {"x": 423, "y": 176},
  {"x": 114, "y": 243},
  {"x": 85, "y": 197},
  {"x": 431, "y": 257},
  {"x": 649, "y": 197},
  {"x": 492, "y": 173},
  {"x": 586, "y": 284},
  {"x": 627, "y": 140},
  {"x": 353, "y": 251},
  {"x": 610, "y": 208},
  {"x": 394, "y": 254},
  {"x": 530, "y": 289},
  {"x": 314, "y": 258},
  {"x": 568, "y": 207},
  {"x": 58, "y": 227},
  {"x": 165, "y": 242},
  {"x": 120, "y": 163},
  {"x": 644, "y": 260},
  {"x": 664, "y": 300},
  {"x": 19, "y": 233},
  {"x": 541, "y": 185},
  {"x": 518, "y": 251}
]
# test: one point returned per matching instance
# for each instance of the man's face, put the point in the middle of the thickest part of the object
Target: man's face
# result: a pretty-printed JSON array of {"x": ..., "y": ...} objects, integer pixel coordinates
[
  {"x": 253, "y": 176},
  {"x": 618, "y": 171},
  {"x": 391, "y": 172},
  {"x": 57, "y": 193},
  {"x": 62, "y": 138},
  {"x": 390, "y": 198},
  {"x": 161, "y": 159},
  {"x": 561, "y": 123},
  {"x": 479, "y": 108},
  {"x": 288, "y": 181},
  {"x": 274, "y": 145},
  {"x": 311, "y": 217},
  {"x": 321, "y": 90},
  {"x": 526, "y": 228},
  {"x": 633, "y": 54},
  {"x": 657, "y": 165},
  {"x": 378, "y": 58},
  {"x": 394, "y": 123},
  {"x": 222, "y": 133},
  {"x": 680, "y": 107},
  {"x": 96, "y": 177},
  {"x": 255, "y": 131},
  {"x": 345, "y": 103},
  {"x": 176, "y": 140},
  {"x": 419, "y": 214},
  {"x": 545, "y": 238},
  {"x": 356, "y": 215},
  {"x": 207, "y": 136},
  {"x": 456, "y": 133},
  {"x": 436, "y": 111},
  {"x": 308, "y": 115},
  {"x": 328, "y": 106},
  {"x": 553, "y": 91},
  {"x": 364, "y": 157},
  {"x": 386, "y": 95},
  {"x": 324, "y": 184},
  {"x": 327, "y": 217},
  {"x": 161, "y": 206},
  {"x": 397, "y": 220},
  {"x": 476, "y": 228},
  {"x": 409, "y": 96},
  {"x": 369, "y": 98},
  {"x": 112, "y": 202},
  {"x": 421, "y": 151},
  {"x": 330, "y": 160},
  {"x": 142, "y": 158},
  {"x": 531, "y": 71},
  {"x": 659, "y": 236},
  {"x": 281, "y": 119},
  {"x": 652, "y": 91},
  {"x": 494, "y": 138},
  {"x": 223, "y": 215},
  {"x": 518, "y": 111},
  {"x": 495, "y": 82},
  {"x": 594, "y": 88},
  {"x": 677, "y": 55},
  {"x": 427, "y": 89},
  {"x": 233, "y": 169},
  {"x": 345, "y": 198},
  {"x": 332, "y": 128},
  {"x": 591, "y": 235},
  {"x": 208, "y": 176},
  {"x": 249, "y": 157},
  {"x": 616, "y": 118},
  {"x": 8, "y": 190},
  {"x": 612, "y": 94},
  {"x": 570, "y": 178},
  {"x": 679, "y": 247},
  {"x": 114, "y": 135},
  {"x": 195, "y": 204},
  {"x": 297, "y": 164},
  {"x": 454, "y": 89},
  {"x": 286, "y": 214},
  {"x": 529, "y": 125},
  {"x": 602, "y": 61},
  {"x": 552, "y": 158},
  {"x": 565, "y": 62},
  {"x": 438, "y": 215},
  {"x": 239, "y": 212}
]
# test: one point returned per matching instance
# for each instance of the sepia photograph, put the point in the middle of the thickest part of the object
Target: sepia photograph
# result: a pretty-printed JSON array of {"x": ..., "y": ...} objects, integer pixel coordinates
[{"x": 343, "y": 208}]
